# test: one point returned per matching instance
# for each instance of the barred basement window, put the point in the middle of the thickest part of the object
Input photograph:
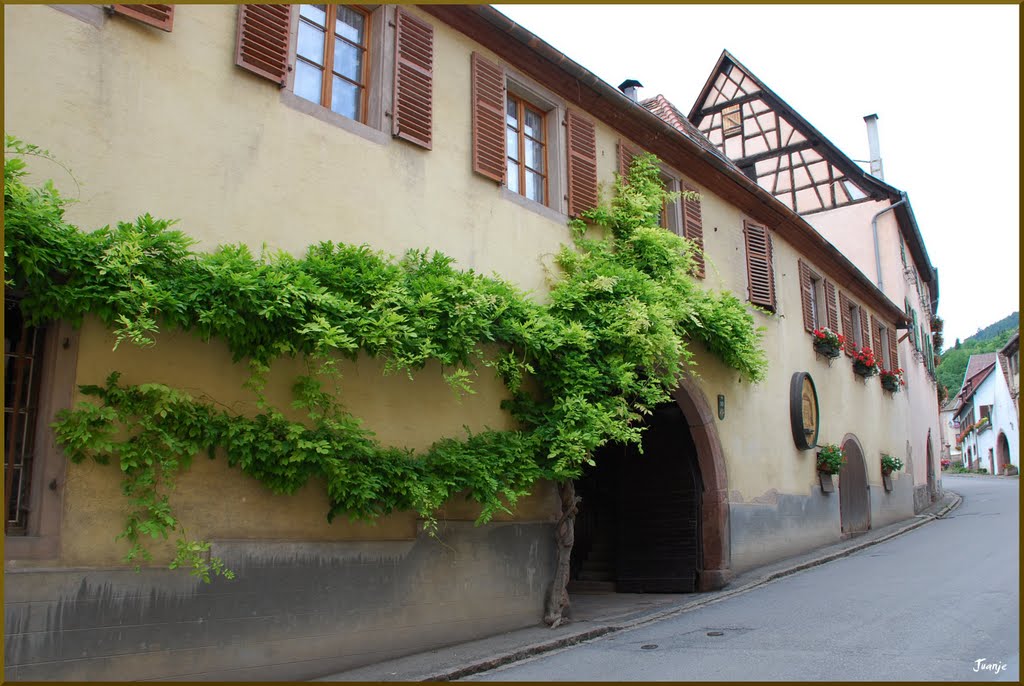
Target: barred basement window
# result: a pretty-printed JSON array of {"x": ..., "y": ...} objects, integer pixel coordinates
[{"x": 23, "y": 346}]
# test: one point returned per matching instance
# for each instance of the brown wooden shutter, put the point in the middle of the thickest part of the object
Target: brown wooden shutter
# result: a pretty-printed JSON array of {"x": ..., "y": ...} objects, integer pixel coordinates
[
  {"x": 627, "y": 153},
  {"x": 693, "y": 229},
  {"x": 893, "y": 348},
  {"x": 582, "y": 157},
  {"x": 488, "y": 118},
  {"x": 805, "y": 295},
  {"x": 865, "y": 332},
  {"x": 263, "y": 40},
  {"x": 160, "y": 16},
  {"x": 414, "y": 79},
  {"x": 830, "y": 306},
  {"x": 760, "y": 274},
  {"x": 876, "y": 340},
  {"x": 844, "y": 314}
]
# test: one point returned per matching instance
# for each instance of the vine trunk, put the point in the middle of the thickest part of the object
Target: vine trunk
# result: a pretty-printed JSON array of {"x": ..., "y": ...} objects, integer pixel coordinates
[{"x": 558, "y": 596}]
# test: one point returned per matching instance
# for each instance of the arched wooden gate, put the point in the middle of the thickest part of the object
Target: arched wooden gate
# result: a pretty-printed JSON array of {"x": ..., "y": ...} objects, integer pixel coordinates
[{"x": 854, "y": 504}]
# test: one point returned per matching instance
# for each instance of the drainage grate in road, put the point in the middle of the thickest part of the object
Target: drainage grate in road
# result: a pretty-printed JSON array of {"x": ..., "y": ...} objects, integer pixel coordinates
[{"x": 649, "y": 646}]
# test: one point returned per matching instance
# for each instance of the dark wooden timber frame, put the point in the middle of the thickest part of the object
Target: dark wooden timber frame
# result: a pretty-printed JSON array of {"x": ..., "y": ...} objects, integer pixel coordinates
[
  {"x": 556, "y": 72},
  {"x": 840, "y": 167}
]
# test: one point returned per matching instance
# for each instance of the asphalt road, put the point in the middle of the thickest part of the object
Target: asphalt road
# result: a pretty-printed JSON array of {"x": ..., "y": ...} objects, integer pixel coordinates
[{"x": 940, "y": 603}]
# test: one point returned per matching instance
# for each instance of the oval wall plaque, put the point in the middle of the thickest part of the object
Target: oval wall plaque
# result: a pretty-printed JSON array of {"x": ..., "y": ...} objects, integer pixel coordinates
[{"x": 803, "y": 410}]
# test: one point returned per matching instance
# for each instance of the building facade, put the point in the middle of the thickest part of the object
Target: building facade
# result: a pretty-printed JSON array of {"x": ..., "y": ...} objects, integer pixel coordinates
[
  {"x": 986, "y": 418},
  {"x": 398, "y": 128},
  {"x": 869, "y": 221}
]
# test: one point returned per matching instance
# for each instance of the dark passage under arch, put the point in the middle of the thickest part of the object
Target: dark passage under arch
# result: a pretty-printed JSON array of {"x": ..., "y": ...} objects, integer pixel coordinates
[{"x": 639, "y": 524}]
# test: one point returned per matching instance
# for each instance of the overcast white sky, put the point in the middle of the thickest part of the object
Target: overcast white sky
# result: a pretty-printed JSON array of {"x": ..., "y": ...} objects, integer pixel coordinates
[{"x": 944, "y": 81}]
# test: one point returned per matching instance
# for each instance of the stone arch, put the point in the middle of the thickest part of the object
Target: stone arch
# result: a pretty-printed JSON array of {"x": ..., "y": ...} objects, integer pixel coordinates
[
  {"x": 854, "y": 502},
  {"x": 715, "y": 563}
]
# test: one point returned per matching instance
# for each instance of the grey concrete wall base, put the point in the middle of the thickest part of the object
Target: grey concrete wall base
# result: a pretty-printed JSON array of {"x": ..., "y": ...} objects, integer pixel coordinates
[
  {"x": 895, "y": 505},
  {"x": 921, "y": 498},
  {"x": 779, "y": 525},
  {"x": 294, "y": 610}
]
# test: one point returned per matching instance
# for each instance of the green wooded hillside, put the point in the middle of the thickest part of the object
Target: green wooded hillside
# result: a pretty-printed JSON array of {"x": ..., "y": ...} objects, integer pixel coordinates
[{"x": 953, "y": 362}]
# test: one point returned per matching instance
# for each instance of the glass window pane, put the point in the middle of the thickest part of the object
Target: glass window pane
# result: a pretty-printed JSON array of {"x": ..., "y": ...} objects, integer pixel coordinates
[
  {"x": 348, "y": 60},
  {"x": 534, "y": 155},
  {"x": 308, "y": 80},
  {"x": 510, "y": 113},
  {"x": 317, "y": 13},
  {"x": 513, "y": 176},
  {"x": 534, "y": 186},
  {"x": 350, "y": 24},
  {"x": 534, "y": 125},
  {"x": 345, "y": 98},
  {"x": 311, "y": 43},
  {"x": 512, "y": 143}
]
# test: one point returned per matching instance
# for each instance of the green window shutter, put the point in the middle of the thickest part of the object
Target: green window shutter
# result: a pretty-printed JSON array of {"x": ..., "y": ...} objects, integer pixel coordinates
[{"x": 917, "y": 333}]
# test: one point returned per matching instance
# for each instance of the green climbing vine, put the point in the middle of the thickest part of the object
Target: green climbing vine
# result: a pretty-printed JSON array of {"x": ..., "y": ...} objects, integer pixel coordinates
[{"x": 611, "y": 344}]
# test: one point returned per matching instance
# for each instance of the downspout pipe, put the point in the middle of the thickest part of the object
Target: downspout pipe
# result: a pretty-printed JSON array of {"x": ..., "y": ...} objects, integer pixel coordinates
[{"x": 874, "y": 235}]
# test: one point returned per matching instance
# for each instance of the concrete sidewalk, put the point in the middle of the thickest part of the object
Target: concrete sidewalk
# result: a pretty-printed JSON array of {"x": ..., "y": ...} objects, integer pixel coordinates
[{"x": 594, "y": 615}]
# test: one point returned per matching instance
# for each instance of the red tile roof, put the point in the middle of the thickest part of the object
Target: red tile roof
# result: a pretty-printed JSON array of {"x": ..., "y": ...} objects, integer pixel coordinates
[{"x": 668, "y": 112}]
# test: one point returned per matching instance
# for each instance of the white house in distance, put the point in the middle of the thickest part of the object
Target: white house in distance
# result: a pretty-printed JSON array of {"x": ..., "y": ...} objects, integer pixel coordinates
[
  {"x": 1009, "y": 363},
  {"x": 988, "y": 432},
  {"x": 948, "y": 427}
]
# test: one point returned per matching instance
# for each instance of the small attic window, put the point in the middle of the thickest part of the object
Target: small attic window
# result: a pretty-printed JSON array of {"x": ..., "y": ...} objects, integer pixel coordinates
[{"x": 732, "y": 122}]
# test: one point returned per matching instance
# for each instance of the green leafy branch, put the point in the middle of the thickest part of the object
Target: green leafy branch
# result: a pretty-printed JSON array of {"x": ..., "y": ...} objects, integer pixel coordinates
[{"x": 581, "y": 371}]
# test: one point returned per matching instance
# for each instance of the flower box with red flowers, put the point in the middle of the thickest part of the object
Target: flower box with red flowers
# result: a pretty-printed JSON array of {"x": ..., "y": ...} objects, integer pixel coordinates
[
  {"x": 864, "y": 362},
  {"x": 831, "y": 459},
  {"x": 827, "y": 342},
  {"x": 892, "y": 379}
]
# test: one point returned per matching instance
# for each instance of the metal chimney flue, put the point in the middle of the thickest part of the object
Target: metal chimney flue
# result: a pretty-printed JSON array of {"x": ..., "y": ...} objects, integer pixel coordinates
[
  {"x": 873, "y": 149},
  {"x": 630, "y": 87}
]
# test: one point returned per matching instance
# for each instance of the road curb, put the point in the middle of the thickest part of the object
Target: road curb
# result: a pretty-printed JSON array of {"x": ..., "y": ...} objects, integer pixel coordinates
[
  {"x": 542, "y": 647},
  {"x": 521, "y": 654}
]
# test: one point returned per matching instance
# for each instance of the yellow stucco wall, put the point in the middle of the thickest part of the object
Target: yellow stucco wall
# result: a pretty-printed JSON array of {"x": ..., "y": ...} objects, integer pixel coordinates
[
  {"x": 166, "y": 124},
  {"x": 215, "y": 501},
  {"x": 849, "y": 229}
]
